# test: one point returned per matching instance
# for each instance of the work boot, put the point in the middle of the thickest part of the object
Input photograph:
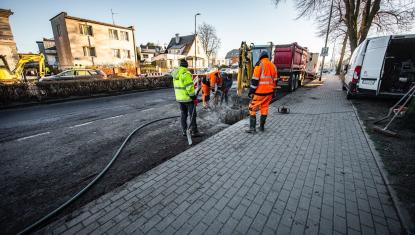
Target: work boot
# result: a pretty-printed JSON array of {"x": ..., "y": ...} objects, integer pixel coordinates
[
  {"x": 262, "y": 122},
  {"x": 252, "y": 124},
  {"x": 195, "y": 133}
]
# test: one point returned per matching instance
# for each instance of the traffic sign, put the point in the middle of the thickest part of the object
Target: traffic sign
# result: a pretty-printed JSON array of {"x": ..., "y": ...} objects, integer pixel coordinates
[{"x": 324, "y": 51}]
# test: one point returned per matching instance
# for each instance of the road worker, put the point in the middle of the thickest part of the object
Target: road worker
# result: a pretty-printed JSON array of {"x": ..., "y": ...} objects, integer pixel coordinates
[
  {"x": 205, "y": 91},
  {"x": 263, "y": 84},
  {"x": 185, "y": 95},
  {"x": 216, "y": 85},
  {"x": 226, "y": 86}
]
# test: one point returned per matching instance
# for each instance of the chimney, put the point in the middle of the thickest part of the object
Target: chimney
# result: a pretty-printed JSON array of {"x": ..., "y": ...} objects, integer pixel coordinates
[{"x": 177, "y": 38}]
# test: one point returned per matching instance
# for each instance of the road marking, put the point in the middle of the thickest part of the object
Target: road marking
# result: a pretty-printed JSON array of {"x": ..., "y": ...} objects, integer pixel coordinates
[
  {"x": 32, "y": 136},
  {"x": 113, "y": 117},
  {"x": 83, "y": 124},
  {"x": 147, "y": 109}
]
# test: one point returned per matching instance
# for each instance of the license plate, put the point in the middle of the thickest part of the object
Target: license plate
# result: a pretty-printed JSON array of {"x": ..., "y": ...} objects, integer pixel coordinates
[{"x": 368, "y": 82}]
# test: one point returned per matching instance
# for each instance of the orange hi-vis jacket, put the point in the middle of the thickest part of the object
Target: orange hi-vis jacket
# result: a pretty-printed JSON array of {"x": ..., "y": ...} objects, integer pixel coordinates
[
  {"x": 264, "y": 80},
  {"x": 215, "y": 79}
]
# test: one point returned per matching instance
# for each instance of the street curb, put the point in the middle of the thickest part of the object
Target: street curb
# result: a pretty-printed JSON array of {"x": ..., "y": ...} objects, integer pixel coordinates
[
  {"x": 402, "y": 212},
  {"x": 63, "y": 100}
]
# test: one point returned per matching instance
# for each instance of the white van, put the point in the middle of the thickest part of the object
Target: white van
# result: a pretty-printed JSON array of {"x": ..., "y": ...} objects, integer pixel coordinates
[{"x": 381, "y": 66}]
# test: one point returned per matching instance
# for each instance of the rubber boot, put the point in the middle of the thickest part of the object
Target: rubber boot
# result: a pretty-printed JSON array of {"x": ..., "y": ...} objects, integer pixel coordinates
[
  {"x": 252, "y": 124},
  {"x": 262, "y": 123}
]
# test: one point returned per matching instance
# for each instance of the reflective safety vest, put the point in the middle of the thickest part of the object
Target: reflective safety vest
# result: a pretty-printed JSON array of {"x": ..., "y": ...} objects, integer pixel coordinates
[
  {"x": 215, "y": 79},
  {"x": 264, "y": 78},
  {"x": 183, "y": 85}
]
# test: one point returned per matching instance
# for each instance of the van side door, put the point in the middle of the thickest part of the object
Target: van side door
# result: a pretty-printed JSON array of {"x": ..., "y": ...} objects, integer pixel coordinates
[{"x": 373, "y": 63}]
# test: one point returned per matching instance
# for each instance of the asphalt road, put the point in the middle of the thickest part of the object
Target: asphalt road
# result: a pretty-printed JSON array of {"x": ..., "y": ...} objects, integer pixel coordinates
[{"x": 49, "y": 152}]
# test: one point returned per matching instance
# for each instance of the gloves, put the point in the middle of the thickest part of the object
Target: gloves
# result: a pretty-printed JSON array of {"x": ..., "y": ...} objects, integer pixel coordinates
[
  {"x": 250, "y": 95},
  {"x": 195, "y": 100}
]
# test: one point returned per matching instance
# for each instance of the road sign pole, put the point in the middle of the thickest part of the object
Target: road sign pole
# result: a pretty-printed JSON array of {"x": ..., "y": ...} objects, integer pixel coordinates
[{"x": 327, "y": 37}]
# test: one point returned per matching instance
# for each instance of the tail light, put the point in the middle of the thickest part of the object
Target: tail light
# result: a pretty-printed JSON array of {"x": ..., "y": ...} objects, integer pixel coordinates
[{"x": 356, "y": 74}]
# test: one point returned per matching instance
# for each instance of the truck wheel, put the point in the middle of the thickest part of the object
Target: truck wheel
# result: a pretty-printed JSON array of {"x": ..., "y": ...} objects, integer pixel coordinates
[
  {"x": 349, "y": 95},
  {"x": 291, "y": 84}
]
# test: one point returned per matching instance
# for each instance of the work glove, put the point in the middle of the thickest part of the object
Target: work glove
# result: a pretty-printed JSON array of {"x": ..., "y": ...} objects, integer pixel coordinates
[{"x": 195, "y": 100}]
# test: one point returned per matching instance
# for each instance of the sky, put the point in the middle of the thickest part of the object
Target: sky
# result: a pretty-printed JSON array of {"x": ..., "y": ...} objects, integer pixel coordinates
[{"x": 256, "y": 21}]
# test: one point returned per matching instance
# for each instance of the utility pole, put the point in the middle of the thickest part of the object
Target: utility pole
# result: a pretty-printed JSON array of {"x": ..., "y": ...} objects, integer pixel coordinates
[
  {"x": 327, "y": 37},
  {"x": 112, "y": 16},
  {"x": 197, "y": 14}
]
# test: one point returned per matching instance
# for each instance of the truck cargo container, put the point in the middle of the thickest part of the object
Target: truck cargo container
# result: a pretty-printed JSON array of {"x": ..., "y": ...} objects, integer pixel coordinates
[
  {"x": 290, "y": 60},
  {"x": 312, "y": 66}
]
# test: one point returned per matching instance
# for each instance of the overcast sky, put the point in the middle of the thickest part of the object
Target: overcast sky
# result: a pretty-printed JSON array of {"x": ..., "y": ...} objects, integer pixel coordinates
[{"x": 257, "y": 21}]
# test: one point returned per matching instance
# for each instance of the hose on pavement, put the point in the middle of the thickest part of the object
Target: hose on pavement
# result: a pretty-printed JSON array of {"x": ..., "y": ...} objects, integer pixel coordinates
[{"x": 33, "y": 226}]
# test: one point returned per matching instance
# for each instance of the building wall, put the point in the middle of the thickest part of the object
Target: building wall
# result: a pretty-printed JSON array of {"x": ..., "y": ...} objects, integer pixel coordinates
[
  {"x": 7, "y": 43},
  {"x": 101, "y": 41},
  {"x": 71, "y": 42},
  {"x": 62, "y": 43},
  {"x": 202, "y": 60}
]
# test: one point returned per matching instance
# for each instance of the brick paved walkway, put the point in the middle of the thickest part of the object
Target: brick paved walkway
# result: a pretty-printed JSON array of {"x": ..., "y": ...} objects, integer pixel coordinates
[{"x": 311, "y": 172}]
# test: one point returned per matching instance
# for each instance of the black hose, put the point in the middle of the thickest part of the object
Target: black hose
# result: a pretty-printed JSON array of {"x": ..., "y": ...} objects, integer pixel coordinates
[{"x": 30, "y": 228}]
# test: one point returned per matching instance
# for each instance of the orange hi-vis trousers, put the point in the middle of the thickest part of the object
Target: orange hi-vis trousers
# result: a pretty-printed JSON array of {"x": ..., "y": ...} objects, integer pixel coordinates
[{"x": 261, "y": 102}]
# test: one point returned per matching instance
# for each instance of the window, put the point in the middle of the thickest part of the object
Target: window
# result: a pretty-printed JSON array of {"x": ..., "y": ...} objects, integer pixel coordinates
[
  {"x": 85, "y": 29},
  {"x": 58, "y": 29},
  {"x": 126, "y": 54},
  {"x": 124, "y": 35},
  {"x": 145, "y": 56},
  {"x": 113, "y": 34},
  {"x": 89, "y": 51},
  {"x": 82, "y": 73},
  {"x": 67, "y": 73},
  {"x": 116, "y": 53}
]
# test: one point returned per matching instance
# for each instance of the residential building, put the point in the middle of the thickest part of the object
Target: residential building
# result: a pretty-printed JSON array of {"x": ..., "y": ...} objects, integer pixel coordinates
[
  {"x": 48, "y": 49},
  {"x": 7, "y": 44},
  {"x": 232, "y": 57},
  {"x": 182, "y": 47},
  {"x": 84, "y": 42},
  {"x": 147, "y": 52}
]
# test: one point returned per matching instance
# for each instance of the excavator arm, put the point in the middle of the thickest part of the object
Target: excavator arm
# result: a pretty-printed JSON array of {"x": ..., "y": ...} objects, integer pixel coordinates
[
  {"x": 245, "y": 70},
  {"x": 26, "y": 58}
]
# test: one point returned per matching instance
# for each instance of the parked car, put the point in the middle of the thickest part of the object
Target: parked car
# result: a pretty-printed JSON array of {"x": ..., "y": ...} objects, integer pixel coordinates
[
  {"x": 381, "y": 66},
  {"x": 76, "y": 74}
]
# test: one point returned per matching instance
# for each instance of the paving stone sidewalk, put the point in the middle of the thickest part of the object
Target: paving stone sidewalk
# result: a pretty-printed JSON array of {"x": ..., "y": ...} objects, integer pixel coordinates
[{"x": 311, "y": 172}]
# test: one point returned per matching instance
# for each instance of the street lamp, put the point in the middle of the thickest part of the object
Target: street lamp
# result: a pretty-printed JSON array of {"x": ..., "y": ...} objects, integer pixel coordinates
[
  {"x": 327, "y": 36},
  {"x": 197, "y": 14}
]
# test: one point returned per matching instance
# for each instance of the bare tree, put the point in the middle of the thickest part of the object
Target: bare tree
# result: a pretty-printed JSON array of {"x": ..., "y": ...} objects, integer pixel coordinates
[
  {"x": 358, "y": 16},
  {"x": 210, "y": 41}
]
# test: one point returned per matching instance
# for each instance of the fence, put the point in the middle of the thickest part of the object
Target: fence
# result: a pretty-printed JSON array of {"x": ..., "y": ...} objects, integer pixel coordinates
[{"x": 41, "y": 91}]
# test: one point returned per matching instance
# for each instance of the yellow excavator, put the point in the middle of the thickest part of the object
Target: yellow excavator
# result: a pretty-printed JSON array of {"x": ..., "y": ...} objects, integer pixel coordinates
[
  {"x": 7, "y": 76},
  {"x": 248, "y": 56}
]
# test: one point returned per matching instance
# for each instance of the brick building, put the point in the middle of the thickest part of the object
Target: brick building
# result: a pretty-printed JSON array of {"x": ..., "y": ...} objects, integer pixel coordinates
[{"x": 83, "y": 42}]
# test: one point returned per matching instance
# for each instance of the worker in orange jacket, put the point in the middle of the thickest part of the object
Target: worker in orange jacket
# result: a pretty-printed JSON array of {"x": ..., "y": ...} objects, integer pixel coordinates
[
  {"x": 205, "y": 91},
  {"x": 216, "y": 85},
  {"x": 263, "y": 84}
]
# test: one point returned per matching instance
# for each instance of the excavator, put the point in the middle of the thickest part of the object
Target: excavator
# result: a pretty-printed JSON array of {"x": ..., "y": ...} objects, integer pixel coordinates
[
  {"x": 248, "y": 56},
  {"x": 17, "y": 75}
]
